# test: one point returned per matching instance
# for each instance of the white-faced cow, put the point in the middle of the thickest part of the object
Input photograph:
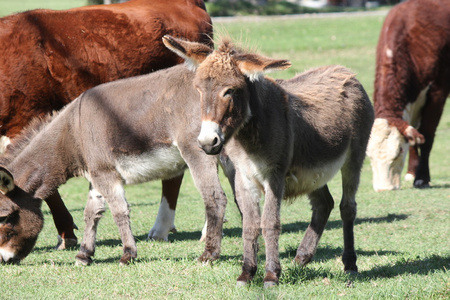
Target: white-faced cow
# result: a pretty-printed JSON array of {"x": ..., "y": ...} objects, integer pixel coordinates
[
  {"x": 123, "y": 132},
  {"x": 285, "y": 138},
  {"x": 412, "y": 82},
  {"x": 48, "y": 58}
]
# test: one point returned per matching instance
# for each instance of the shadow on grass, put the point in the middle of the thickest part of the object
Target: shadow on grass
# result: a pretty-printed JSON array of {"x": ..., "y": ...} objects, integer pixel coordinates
[
  {"x": 336, "y": 224},
  {"x": 293, "y": 274},
  {"x": 236, "y": 232}
]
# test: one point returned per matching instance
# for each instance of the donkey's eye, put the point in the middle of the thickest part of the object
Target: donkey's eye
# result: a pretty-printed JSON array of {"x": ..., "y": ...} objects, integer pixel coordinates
[
  {"x": 3, "y": 219},
  {"x": 228, "y": 92}
]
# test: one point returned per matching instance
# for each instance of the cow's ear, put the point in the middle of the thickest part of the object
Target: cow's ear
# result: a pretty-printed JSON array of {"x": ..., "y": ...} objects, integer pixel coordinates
[
  {"x": 6, "y": 181},
  {"x": 254, "y": 66},
  {"x": 193, "y": 53}
]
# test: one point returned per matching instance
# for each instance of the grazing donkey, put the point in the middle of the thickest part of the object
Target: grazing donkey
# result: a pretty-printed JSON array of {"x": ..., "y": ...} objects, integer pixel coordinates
[
  {"x": 285, "y": 138},
  {"x": 48, "y": 58},
  {"x": 128, "y": 131}
]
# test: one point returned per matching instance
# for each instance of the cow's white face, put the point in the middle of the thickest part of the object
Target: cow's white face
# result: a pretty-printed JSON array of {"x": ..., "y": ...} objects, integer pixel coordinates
[{"x": 387, "y": 150}]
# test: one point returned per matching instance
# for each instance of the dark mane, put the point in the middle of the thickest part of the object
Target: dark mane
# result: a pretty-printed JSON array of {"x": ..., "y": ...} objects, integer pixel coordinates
[{"x": 21, "y": 141}]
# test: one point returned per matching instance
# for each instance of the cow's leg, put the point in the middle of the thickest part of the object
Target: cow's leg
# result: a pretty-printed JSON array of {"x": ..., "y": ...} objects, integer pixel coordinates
[
  {"x": 63, "y": 222},
  {"x": 271, "y": 229},
  {"x": 165, "y": 220},
  {"x": 251, "y": 224},
  {"x": 93, "y": 212},
  {"x": 413, "y": 162},
  {"x": 322, "y": 204},
  {"x": 431, "y": 115}
]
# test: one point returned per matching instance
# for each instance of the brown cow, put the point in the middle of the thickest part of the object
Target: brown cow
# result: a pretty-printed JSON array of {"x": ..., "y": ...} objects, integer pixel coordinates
[
  {"x": 285, "y": 138},
  {"x": 48, "y": 58},
  {"x": 127, "y": 131},
  {"x": 412, "y": 83}
]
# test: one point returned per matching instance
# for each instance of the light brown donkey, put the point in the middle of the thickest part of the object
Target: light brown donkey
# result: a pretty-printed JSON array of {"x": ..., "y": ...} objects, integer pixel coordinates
[
  {"x": 285, "y": 138},
  {"x": 124, "y": 132}
]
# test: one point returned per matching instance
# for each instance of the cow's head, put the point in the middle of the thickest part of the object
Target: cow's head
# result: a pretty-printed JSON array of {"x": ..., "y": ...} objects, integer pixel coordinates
[
  {"x": 387, "y": 150},
  {"x": 21, "y": 220}
]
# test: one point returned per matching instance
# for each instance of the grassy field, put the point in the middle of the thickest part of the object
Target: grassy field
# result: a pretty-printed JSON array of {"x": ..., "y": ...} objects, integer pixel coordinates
[{"x": 402, "y": 237}]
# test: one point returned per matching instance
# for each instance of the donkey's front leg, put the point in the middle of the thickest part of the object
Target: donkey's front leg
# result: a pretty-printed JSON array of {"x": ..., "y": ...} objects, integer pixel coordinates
[
  {"x": 204, "y": 172},
  {"x": 248, "y": 196},
  {"x": 271, "y": 229}
]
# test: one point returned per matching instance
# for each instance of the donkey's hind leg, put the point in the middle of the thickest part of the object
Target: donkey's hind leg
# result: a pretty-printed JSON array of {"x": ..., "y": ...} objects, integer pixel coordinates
[
  {"x": 322, "y": 204},
  {"x": 95, "y": 207},
  {"x": 350, "y": 182}
]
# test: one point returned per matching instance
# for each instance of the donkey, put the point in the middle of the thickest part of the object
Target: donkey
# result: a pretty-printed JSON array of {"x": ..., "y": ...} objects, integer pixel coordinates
[
  {"x": 124, "y": 132},
  {"x": 285, "y": 138}
]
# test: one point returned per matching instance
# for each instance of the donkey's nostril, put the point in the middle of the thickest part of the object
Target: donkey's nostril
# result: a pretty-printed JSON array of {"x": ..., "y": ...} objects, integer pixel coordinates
[{"x": 215, "y": 141}]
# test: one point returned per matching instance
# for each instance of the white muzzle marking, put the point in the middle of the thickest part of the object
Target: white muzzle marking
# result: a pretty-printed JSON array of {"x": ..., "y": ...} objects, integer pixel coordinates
[
  {"x": 208, "y": 132},
  {"x": 6, "y": 255}
]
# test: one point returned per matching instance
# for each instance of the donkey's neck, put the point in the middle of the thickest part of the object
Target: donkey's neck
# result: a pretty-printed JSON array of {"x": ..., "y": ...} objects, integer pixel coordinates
[
  {"x": 268, "y": 103},
  {"x": 48, "y": 160}
]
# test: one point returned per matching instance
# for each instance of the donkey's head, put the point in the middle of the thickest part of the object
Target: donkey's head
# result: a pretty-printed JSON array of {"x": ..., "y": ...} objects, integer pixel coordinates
[
  {"x": 21, "y": 220},
  {"x": 222, "y": 79}
]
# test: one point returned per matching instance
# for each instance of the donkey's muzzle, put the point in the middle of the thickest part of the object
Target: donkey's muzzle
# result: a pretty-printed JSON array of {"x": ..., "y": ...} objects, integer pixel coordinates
[{"x": 210, "y": 138}]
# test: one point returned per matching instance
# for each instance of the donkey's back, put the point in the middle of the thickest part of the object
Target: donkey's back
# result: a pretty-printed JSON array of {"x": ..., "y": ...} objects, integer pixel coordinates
[{"x": 332, "y": 117}]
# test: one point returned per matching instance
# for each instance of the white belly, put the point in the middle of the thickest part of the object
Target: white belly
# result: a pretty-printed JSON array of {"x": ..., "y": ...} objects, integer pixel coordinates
[
  {"x": 158, "y": 164},
  {"x": 301, "y": 181}
]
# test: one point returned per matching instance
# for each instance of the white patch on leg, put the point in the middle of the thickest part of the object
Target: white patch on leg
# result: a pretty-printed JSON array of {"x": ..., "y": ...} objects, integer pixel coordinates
[
  {"x": 165, "y": 222},
  {"x": 389, "y": 53},
  {"x": 203, "y": 238},
  {"x": 409, "y": 177}
]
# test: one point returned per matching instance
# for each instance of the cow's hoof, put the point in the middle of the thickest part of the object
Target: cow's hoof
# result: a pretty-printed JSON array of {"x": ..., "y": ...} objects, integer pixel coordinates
[
  {"x": 421, "y": 184},
  {"x": 65, "y": 243}
]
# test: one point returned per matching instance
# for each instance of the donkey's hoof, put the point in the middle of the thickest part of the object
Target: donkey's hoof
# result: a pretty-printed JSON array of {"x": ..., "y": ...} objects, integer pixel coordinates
[
  {"x": 270, "y": 284},
  {"x": 209, "y": 256},
  {"x": 82, "y": 260},
  {"x": 126, "y": 259},
  {"x": 65, "y": 243},
  {"x": 303, "y": 259}
]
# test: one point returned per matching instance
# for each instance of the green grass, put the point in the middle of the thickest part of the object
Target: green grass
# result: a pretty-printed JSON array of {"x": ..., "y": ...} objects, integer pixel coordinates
[
  {"x": 402, "y": 237},
  {"x": 9, "y": 7}
]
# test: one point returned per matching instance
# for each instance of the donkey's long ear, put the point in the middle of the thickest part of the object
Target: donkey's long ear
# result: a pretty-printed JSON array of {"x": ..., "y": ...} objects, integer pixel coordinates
[
  {"x": 254, "y": 66},
  {"x": 193, "y": 53},
  {"x": 6, "y": 181}
]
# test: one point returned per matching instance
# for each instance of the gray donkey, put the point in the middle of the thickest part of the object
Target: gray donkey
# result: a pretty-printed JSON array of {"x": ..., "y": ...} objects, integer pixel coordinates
[
  {"x": 285, "y": 138},
  {"x": 128, "y": 131}
]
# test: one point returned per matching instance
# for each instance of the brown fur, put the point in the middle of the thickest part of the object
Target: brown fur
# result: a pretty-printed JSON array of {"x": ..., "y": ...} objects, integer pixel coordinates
[
  {"x": 285, "y": 138},
  {"x": 48, "y": 58},
  {"x": 416, "y": 34},
  {"x": 128, "y": 131}
]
